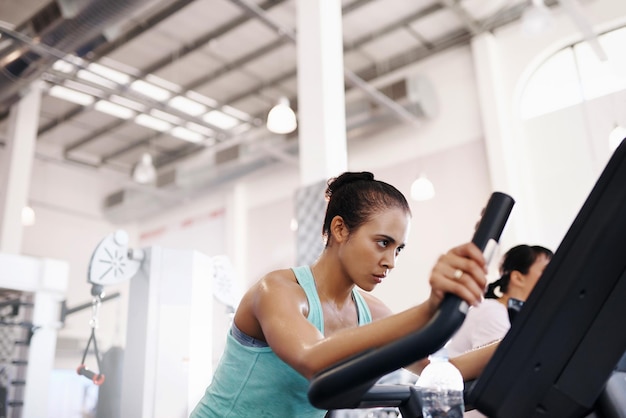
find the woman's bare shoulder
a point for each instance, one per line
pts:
(377, 307)
(277, 282)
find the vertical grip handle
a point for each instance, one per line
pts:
(494, 217)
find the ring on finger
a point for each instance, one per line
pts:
(457, 274)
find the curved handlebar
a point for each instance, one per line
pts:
(343, 385)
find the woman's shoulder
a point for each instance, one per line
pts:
(487, 309)
(281, 277)
(278, 281)
(377, 307)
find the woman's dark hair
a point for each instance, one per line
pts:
(519, 258)
(356, 197)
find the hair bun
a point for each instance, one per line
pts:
(336, 183)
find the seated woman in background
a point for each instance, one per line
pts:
(489, 322)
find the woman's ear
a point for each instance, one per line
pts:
(517, 279)
(338, 229)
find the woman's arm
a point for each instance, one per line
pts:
(277, 306)
(297, 342)
(472, 363)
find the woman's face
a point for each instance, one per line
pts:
(534, 272)
(371, 250)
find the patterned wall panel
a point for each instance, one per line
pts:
(310, 207)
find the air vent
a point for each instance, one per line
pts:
(114, 199)
(227, 154)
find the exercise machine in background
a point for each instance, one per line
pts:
(31, 292)
(168, 357)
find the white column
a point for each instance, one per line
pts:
(496, 109)
(237, 239)
(15, 168)
(321, 97)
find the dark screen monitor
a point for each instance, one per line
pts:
(571, 333)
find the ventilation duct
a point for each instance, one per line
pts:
(186, 182)
(229, 164)
(415, 93)
(65, 27)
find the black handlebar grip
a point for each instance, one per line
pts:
(493, 219)
(344, 384)
(490, 226)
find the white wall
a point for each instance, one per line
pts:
(69, 225)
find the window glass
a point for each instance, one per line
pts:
(553, 86)
(575, 74)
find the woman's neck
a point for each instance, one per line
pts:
(330, 282)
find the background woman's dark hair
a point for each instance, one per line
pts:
(519, 258)
(356, 196)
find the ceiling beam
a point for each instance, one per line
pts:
(143, 27)
(350, 77)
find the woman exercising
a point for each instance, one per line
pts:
(295, 322)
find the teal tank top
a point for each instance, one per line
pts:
(254, 382)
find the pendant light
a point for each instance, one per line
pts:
(422, 189)
(144, 171)
(28, 216)
(281, 119)
(536, 18)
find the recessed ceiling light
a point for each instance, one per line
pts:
(70, 95)
(186, 134)
(109, 73)
(95, 78)
(150, 90)
(152, 123)
(220, 119)
(114, 109)
(191, 107)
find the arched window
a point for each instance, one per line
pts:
(576, 74)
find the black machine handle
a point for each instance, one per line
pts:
(96, 378)
(343, 385)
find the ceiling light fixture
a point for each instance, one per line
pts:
(281, 119)
(422, 189)
(150, 90)
(188, 106)
(113, 109)
(536, 18)
(144, 171)
(186, 134)
(153, 123)
(70, 95)
(28, 216)
(109, 73)
(96, 79)
(220, 119)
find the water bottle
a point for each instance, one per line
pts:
(440, 388)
